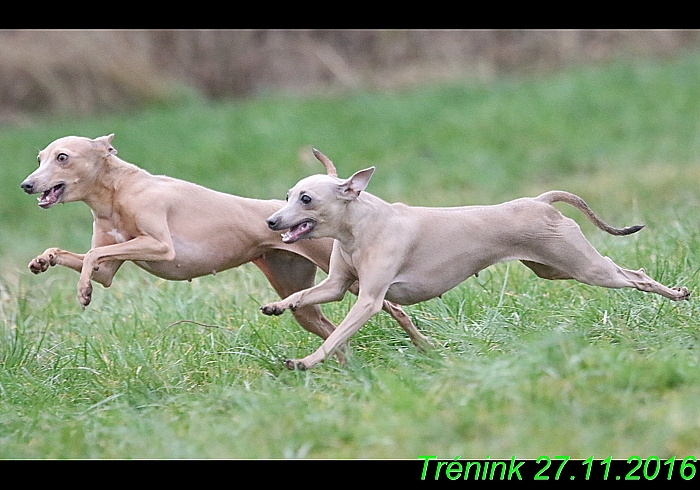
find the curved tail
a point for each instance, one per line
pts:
(330, 168)
(580, 204)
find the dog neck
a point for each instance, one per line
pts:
(107, 183)
(361, 216)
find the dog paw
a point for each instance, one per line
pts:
(39, 264)
(272, 309)
(42, 262)
(293, 364)
(683, 293)
(85, 294)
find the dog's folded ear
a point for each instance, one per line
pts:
(106, 142)
(352, 187)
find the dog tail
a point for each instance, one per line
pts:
(580, 204)
(330, 168)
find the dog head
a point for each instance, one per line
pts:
(67, 169)
(316, 204)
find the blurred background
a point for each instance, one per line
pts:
(45, 72)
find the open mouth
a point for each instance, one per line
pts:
(52, 196)
(298, 231)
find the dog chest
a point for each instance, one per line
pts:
(118, 237)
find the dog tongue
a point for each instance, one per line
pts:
(295, 232)
(49, 197)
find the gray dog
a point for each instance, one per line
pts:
(408, 254)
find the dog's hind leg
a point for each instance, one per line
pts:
(289, 273)
(570, 256)
(417, 338)
(545, 271)
(608, 274)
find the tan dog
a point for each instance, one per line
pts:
(171, 228)
(410, 254)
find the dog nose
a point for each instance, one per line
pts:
(272, 222)
(28, 187)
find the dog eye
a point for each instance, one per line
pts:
(62, 157)
(287, 197)
(38, 159)
(305, 199)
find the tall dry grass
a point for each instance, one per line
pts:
(84, 71)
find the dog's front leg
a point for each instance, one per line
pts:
(367, 305)
(330, 289)
(143, 247)
(55, 256)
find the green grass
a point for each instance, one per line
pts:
(523, 366)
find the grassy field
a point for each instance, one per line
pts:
(523, 367)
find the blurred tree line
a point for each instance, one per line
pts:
(86, 71)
